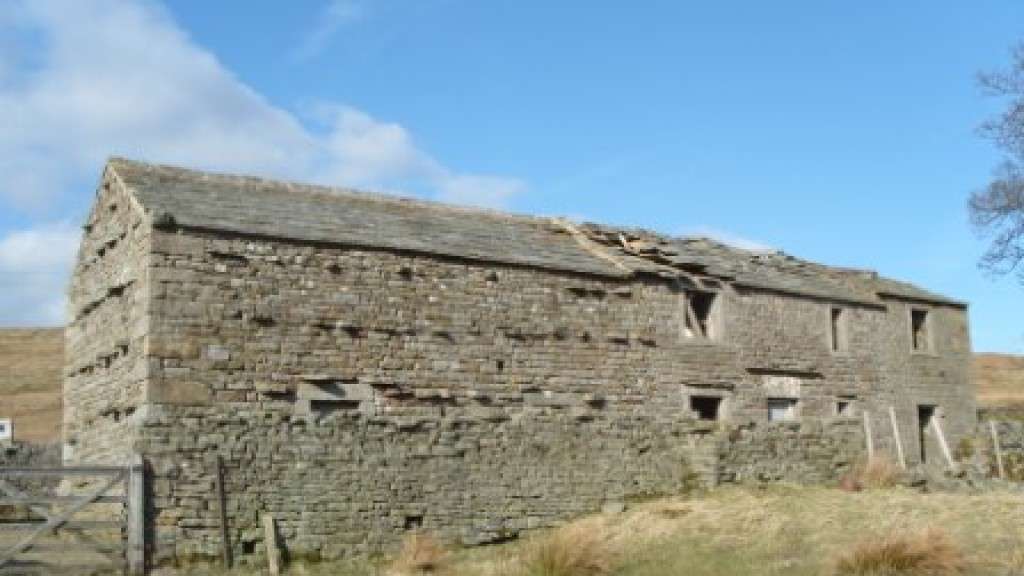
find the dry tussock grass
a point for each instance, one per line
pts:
(580, 549)
(420, 554)
(929, 552)
(873, 473)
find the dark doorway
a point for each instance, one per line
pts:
(706, 407)
(925, 414)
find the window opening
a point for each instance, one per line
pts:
(844, 406)
(700, 314)
(781, 409)
(706, 407)
(919, 330)
(838, 333)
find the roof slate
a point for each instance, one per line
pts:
(301, 212)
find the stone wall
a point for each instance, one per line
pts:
(356, 394)
(817, 452)
(105, 339)
(937, 377)
(978, 453)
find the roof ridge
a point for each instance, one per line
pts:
(333, 193)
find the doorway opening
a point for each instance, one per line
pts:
(925, 413)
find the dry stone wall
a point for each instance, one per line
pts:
(105, 369)
(815, 452)
(978, 452)
(356, 394)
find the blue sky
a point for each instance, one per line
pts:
(836, 131)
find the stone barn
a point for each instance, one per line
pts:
(364, 365)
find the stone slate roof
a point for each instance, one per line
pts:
(256, 206)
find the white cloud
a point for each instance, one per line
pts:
(117, 77)
(366, 153)
(338, 13)
(734, 240)
(34, 265)
(86, 79)
(479, 190)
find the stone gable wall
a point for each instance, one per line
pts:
(105, 367)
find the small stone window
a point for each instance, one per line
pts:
(837, 329)
(706, 407)
(844, 406)
(782, 409)
(920, 332)
(701, 320)
(413, 522)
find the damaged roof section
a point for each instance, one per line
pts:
(759, 269)
(300, 212)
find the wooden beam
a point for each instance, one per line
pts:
(136, 495)
(67, 526)
(51, 500)
(222, 506)
(998, 450)
(270, 539)
(70, 471)
(692, 317)
(75, 528)
(868, 439)
(901, 458)
(38, 569)
(942, 442)
(55, 522)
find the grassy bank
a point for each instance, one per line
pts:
(779, 530)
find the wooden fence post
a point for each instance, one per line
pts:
(222, 508)
(136, 499)
(896, 436)
(998, 450)
(867, 435)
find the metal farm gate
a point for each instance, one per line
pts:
(72, 520)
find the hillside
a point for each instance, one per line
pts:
(31, 360)
(1000, 380)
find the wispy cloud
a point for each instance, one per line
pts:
(120, 77)
(336, 15)
(364, 152)
(34, 265)
(729, 238)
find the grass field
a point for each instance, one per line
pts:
(738, 531)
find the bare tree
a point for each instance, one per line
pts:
(998, 209)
